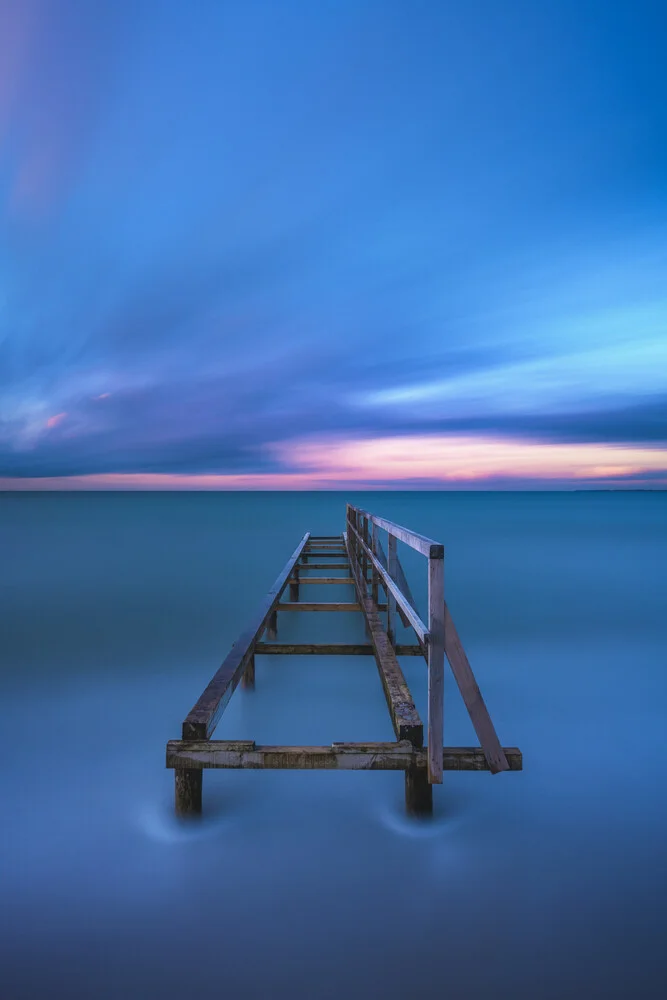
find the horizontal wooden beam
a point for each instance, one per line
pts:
(427, 546)
(325, 579)
(315, 565)
(202, 719)
(328, 649)
(320, 606)
(339, 756)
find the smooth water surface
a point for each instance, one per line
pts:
(550, 883)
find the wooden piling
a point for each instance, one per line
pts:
(248, 679)
(418, 792)
(188, 788)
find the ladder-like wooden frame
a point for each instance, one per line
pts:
(359, 550)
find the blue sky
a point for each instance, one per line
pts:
(234, 235)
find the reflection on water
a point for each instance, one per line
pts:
(117, 609)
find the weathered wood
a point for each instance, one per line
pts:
(326, 579)
(204, 754)
(248, 679)
(385, 564)
(376, 576)
(324, 566)
(322, 555)
(294, 584)
(427, 546)
(188, 788)
(436, 666)
(415, 621)
(467, 685)
(391, 599)
(202, 719)
(272, 626)
(404, 716)
(418, 792)
(323, 606)
(329, 648)
(472, 696)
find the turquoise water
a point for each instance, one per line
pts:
(118, 608)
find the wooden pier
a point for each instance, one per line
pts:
(369, 569)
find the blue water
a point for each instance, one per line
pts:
(117, 609)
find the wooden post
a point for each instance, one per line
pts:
(418, 792)
(272, 628)
(391, 600)
(248, 679)
(294, 586)
(376, 576)
(188, 786)
(436, 665)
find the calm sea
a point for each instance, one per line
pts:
(551, 883)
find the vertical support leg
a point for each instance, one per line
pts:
(436, 665)
(418, 792)
(272, 628)
(391, 600)
(188, 786)
(294, 586)
(376, 575)
(305, 558)
(248, 679)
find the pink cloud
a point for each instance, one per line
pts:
(56, 419)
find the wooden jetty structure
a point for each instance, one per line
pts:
(367, 567)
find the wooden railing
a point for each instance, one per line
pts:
(437, 637)
(363, 538)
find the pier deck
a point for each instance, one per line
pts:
(359, 552)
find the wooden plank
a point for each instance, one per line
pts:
(322, 555)
(202, 719)
(472, 696)
(404, 716)
(415, 621)
(344, 565)
(436, 667)
(328, 649)
(323, 606)
(202, 754)
(325, 579)
(427, 546)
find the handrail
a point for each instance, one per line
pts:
(431, 635)
(410, 613)
(427, 546)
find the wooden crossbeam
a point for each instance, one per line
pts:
(325, 579)
(321, 606)
(399, 756)
(315, 565)
(328, 648)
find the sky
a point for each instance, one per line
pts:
(415, 244)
